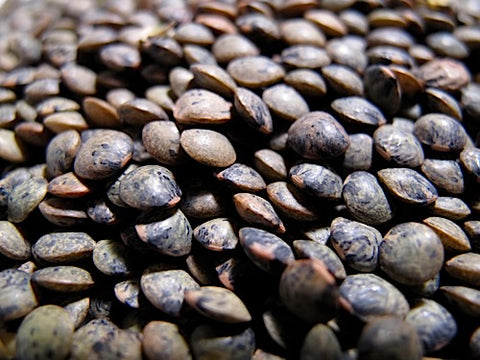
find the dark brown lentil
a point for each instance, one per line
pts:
(143, 143)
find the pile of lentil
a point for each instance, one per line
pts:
(252, 179)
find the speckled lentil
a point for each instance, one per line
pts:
(239, 179)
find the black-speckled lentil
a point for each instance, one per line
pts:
(221, 95)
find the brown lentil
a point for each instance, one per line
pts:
(96, 96)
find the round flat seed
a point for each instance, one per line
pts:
(309, 291)
(285, 102)
(63, 212)
(307, 249)
(12, 148)
(317, 233)
(96, 38)
(26, 111)
(236, 272)
(231, 46)
(101, 339)
(118, 96)
(25, 197)
(46, 332)
(318, 135)
(450, 208)
(164, 50)
(451, 235)
(398, 146)
(411, 253)
(208, 342)
(371, 296)
(150, 186)
(208, 147)
(8, 115)
(242, 177)
(193, 33)
(17, 297)
(66, 120)
(63, 278)
(257, 211)
(219, 304)
(470, 159)
(359, 155)
(446, 44)
(103, 155)
(434, 325)
(203, 203)
(41, 89)
(301, 31)
(290, 201)
(441, 133)
(465, 299)
(382, 88)
(100, 113)
(170, 235)
(348, 51)
(446, 175)
(63, 247)
(327, 21)
(140, 111)
(259, 25)
(79, 79)
(33, 133)
(410, 85)
(386, 18)
(61, 152)
(465, 267)
(475, 344)
(255, 71)
(357, 244)
(306, 82)
(393, 55)
(446, 74)
(305, 56)
(12, 243)
(163, 340)
(343, 80)
(317, 180)
(408, 186)
(195, 54)
(365, 199)
(320, 342)
(120, 56)
(78, 310)
(162, 140)
(161, 95)
(253, 110)
(214, 78)
(358, 110)
(472, 228)
(389, 35)
(68, 185)
(166, 289)
(402, 341)
(7, 96)
(270, 164)
(469, 99)
(265, 250)
(10, 180)
(216, 235)
(439, 101)
(112, 258)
